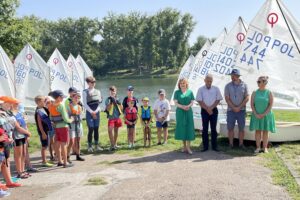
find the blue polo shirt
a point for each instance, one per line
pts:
(236, 93)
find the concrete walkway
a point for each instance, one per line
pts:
(167, 175)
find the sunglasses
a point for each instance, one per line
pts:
(260, 81)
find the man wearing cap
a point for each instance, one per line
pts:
(236, 95)
(92, 98)
(130, 90)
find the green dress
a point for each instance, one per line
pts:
(184, 119)
(261, 102)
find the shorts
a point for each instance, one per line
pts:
(130, 126)
(73, 133)
(51, 133)
(20, 142)
(62, 134)
(115, 123)
(239, 117)
(161, 125)
(2, 156)
(44, 143)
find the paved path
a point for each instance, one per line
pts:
(168, 175)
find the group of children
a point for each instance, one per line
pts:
(129, 108)
(59, 125)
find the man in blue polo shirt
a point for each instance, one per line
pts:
(236, 95)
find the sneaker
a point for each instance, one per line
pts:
(116, 147)
(31, 169)
(67, 165)
(165, 143)
(15, 179)
(47, 164)
(98, 148)
(60, 164)
(112, 148)
(69, 160)
(159, 143)
(242, 146)
(266, 150)
(12, 185)
(78, 158)
(3, 187)
(4, 193)
(90, 150)
(257, 150)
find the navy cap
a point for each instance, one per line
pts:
(161, 91)
(57, 93)
(73, 89)
(235, 72)
(130, 88)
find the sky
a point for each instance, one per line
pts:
(211, 16)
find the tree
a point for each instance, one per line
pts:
(198, 45)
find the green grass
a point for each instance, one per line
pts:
(291, 152)
(97, 181)
(287, 116)
(281, 175)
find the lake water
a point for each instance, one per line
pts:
(142, 87)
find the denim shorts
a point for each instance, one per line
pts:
(161, 125)
(239, 117)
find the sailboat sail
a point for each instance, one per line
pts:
(31, 76)
(271, 48)
(76, 73)
(59, 72)
(223, 61)
(7, 75)
(83, 64)
(202, 65)
(184, 73)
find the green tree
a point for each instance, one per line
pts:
(198, 45)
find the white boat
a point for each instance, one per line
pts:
(271, 48)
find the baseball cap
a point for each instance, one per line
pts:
(130, 99)
(235, 72)
(145, 99)
(72, 89)
(57, 93)
(161, 91)
(7, 99)
(130, 88)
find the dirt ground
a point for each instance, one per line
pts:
(166, 175)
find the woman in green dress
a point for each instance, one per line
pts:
(184, 99)
(262, 119)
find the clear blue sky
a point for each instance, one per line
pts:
(211, 15)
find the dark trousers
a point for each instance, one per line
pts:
(212, 120)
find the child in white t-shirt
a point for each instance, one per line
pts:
(162, 108)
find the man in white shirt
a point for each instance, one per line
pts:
(209, 97)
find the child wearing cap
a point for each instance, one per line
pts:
(130, 90)
(114, 110)
(146, 119)
(130, 117)
(162, 108)
(44, 127)
(76, 130)
(60, 118)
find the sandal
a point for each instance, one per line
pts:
(22, 176)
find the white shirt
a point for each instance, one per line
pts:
(162, 106)
(209, 96)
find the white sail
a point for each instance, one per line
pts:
(32, 76)
(82, 63)
(200, 69)
(223, 61)
(184, 73)
(76, 73)
(59, 72)
(271, 48)
(7, 75)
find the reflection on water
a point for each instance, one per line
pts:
(142, 87)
